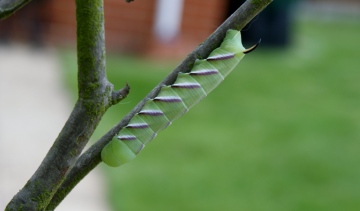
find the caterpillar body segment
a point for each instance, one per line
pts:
(188, 89)
(206, 75)
(117, 153)
(175, 100)
(170, 103)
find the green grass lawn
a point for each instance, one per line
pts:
(282, 132)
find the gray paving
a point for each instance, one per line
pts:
(33, 108)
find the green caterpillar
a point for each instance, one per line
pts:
(175, 100)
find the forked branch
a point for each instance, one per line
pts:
(96, 95)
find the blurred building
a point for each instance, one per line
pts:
(150, 27)
(155, 27)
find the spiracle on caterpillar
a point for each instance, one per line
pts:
(175, 100)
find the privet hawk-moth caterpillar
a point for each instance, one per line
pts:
(175, 100)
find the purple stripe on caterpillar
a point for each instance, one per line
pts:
(137, 125)
(204, 72)
(186, 85)
(126, 137)
(151, 112)
(221, 57)
(168, 99)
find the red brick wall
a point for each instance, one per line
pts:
(201, 18)
(127, 25)
(61, 22)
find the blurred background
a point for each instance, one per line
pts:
(282, 132)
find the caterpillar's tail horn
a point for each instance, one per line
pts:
(252, 48)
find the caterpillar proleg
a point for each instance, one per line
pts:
(175, 100)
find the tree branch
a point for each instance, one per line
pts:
(96, 95)
(8, 7)
(91, 158)
(119, 95)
